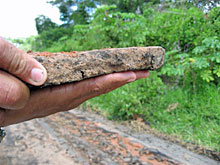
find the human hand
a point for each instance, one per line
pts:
(18, 104)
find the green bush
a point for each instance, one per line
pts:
(203, 63)
(129, 100)
(192, 116)
(183, 97)
(48, 39)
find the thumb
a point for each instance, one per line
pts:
(18, 63)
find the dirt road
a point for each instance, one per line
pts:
(80, 137)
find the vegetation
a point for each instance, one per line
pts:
(183, 98)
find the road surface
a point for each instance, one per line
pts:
(82, 137)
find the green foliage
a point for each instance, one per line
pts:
(179, 31)
(174, 111)
(75, 11)
(191, 56)
(44, 23)
(25, 44)
(113, 29)
(129, 100)
(131, 6)
(204, 4)
(122, 29)
(189, 79)
(195, 118)
(203, 61)
(47, 38)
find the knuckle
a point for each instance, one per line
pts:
(100, 88)
(113, 80)
(13, 96)
(105, 85)
(17, 65)
(12, 59)
(97, 87)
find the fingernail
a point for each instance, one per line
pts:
(37, 75)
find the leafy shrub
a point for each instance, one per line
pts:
(192, 42)
(125, 102)
(203, 63)
(47, 39)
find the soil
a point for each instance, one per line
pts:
(84, 137)
(143, 127)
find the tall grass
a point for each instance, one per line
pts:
(192, 115)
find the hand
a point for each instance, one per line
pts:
(18, 104)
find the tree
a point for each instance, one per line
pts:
(44, 23)
(80, 11)
(131, 6)
(75, 11)
(205, 4)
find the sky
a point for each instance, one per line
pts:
(17, 17)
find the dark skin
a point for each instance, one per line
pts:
(19, 104)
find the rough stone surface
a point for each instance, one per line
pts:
(67, 67)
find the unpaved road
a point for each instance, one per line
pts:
(79, 137)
